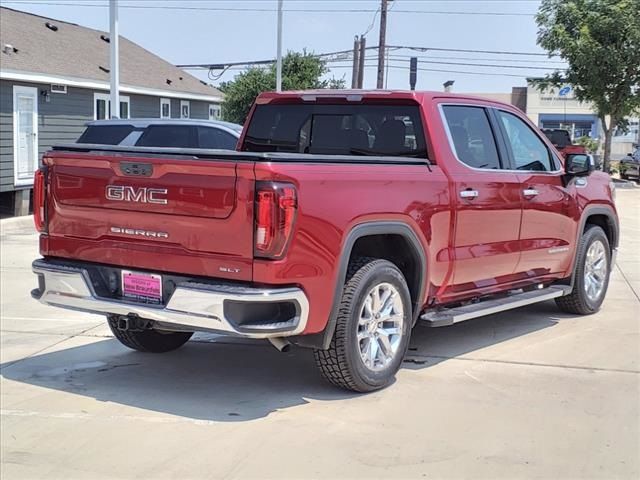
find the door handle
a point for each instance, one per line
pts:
(469, 194)
(530, 192)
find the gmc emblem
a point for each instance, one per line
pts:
(123, 193)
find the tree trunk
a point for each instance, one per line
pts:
(608, 135)
(606, 163)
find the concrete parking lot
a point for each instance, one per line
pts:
(531, 393)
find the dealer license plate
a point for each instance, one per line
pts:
(145, 287)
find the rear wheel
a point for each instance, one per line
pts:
(593, 267)
(148, 340)
(372, 330)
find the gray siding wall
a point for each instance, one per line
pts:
(199, 110)
(144, 106)
(6, 136)
(62, 119)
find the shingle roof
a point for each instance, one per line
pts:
(79, 52)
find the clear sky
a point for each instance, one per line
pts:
(218, 31)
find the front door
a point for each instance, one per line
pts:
(548, 232)
(25, 134)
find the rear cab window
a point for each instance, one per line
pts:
(341, 129)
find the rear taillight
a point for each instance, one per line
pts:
(39, 199)
(276, 207)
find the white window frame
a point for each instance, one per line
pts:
(216, 108)
(17, 89)
(185, 103)
(163, 102)
(107, 98)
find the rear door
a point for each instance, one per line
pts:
(548, 231)
(488, 202)
(172, 213)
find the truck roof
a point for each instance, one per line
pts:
(358, 95)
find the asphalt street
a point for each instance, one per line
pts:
(531, 393)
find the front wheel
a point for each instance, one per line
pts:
(372, 329)
(593, 267)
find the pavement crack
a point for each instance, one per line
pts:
(12, 363)
(627, 281)
(113, 367)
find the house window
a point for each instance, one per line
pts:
(214, 111)
(165, 108)
(185, 109)
(102, 106)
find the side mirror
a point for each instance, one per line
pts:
(579, 165)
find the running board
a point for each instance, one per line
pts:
(448, 316)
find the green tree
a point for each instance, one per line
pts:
(600, 41)
(589, 143)
(300, 71)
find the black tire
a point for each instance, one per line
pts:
(342, 364)
(578, 302)
(148, 340)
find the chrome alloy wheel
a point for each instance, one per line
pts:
(380, 326)
(596, 269)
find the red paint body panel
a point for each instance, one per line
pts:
(500, 240)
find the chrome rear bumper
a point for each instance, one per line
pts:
(191, 307)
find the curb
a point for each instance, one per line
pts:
(624, 184)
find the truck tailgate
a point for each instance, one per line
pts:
(152, 212)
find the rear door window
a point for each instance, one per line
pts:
(473, 140)
(176, 136)
(105, 134)
(337, 130)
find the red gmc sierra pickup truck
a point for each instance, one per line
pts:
(342, 220)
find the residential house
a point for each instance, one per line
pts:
(54, 77)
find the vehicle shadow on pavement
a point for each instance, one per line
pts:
(218, 379)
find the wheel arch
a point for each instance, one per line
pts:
(360, 241)
(604, 217)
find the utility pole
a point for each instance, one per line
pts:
(363, 51)
(279, 54)
(413, 72)
(356, 62)
(114, 60)
(381, 43)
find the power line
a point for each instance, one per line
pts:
(476, 59)
(314, 1)
(266, 10)
(347, 53)
(526, 67)
(465, 50)
(491, 74)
